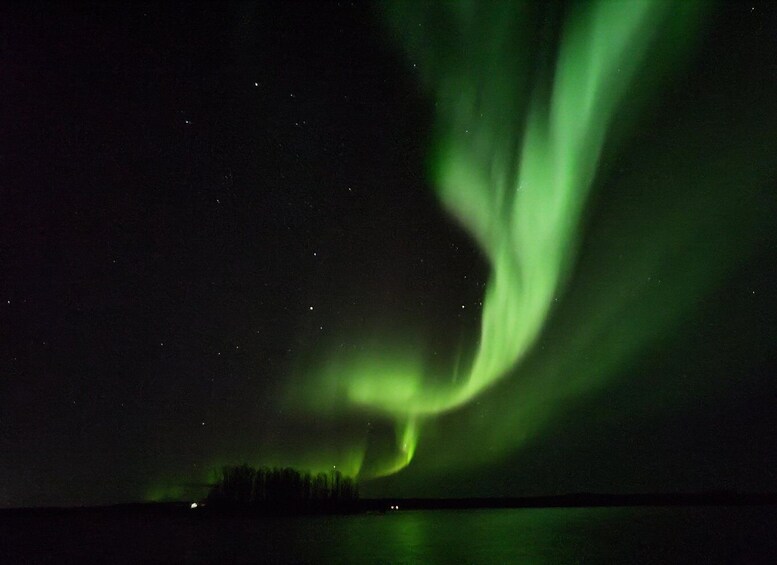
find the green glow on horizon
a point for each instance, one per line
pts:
(515, 167)
(164, 493)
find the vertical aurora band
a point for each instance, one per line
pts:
(522, 198)
(520, 128)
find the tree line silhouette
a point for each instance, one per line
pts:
(273, 488)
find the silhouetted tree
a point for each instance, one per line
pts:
(236, 484)
(321, 487)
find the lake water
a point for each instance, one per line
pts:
(554, 535)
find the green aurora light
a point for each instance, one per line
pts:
(515, 167)
(522, 127)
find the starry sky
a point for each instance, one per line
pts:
(198, 202)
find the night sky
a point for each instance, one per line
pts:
(201, 204)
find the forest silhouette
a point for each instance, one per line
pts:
(284, 489)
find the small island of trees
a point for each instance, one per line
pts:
(285, 489)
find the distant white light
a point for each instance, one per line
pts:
(194, 505)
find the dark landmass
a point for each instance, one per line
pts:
(576, 500)
(247, 490)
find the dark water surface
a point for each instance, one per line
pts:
(552, 535)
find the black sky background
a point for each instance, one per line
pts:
(180, 184)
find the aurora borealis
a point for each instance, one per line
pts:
(516, 173)
(514, 163)
(457, 249)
